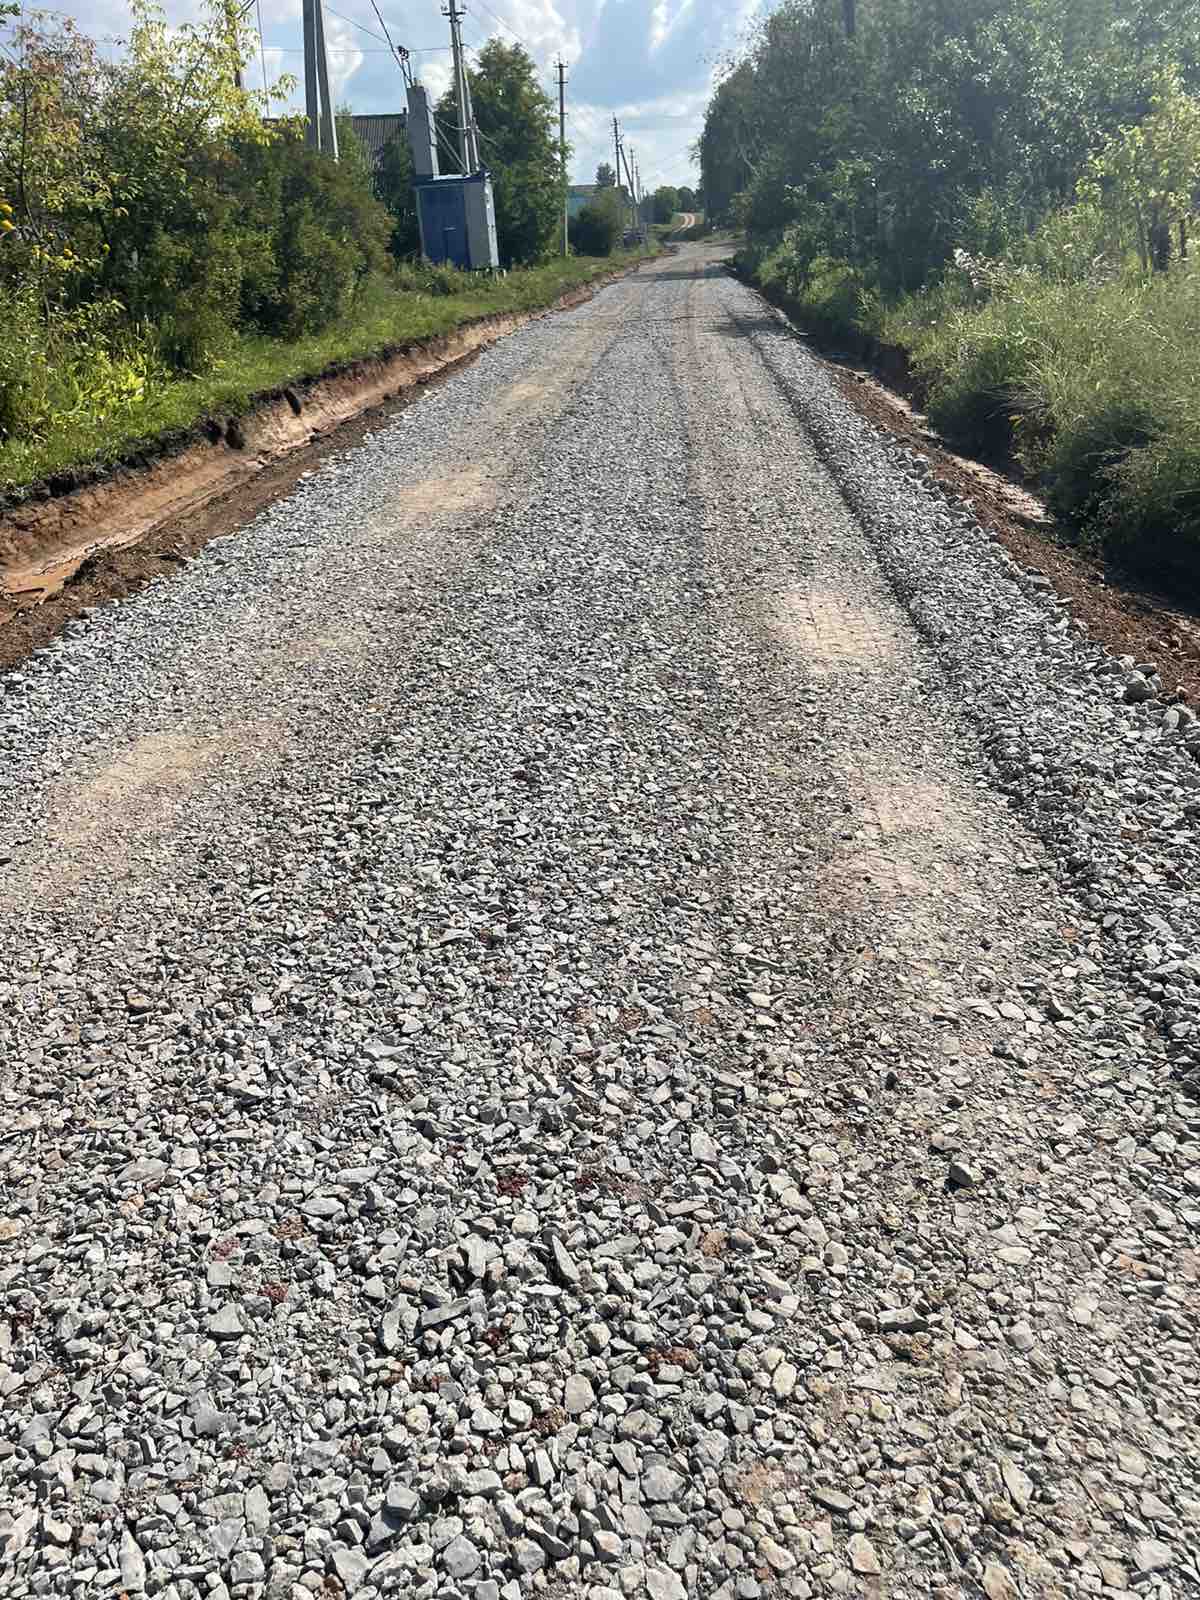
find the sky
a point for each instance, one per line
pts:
(650, 63)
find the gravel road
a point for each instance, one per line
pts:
(600, 1003)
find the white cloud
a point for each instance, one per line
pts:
(649, 62)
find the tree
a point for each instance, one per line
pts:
(352, 152)
(393, 185)
(518, 128)
(1146, 176)
(730, 141)
(606, 178)
(150, 201)
(597, 228)
(687, 199)
(934, 127)
(666, 203)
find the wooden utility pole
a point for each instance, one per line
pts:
(617, 168)
(562, 151)
(849, 17)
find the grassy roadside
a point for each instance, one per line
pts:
(384, 317)
(1089, 387)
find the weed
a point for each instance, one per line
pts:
(139, 402)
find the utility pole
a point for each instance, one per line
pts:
(849, 18)
(320, 132)
(312, 112)
(468, 144)
(562, 148)
(621, 156)
(617, 148)
(328, 126)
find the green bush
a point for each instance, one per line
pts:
(594, 232)
(54, 370)
(316, 233)
(423, 277)
(838, 300)
(826, 295)
(24, 363)
(1092, 382)
(974, 369)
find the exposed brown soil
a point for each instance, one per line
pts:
(1120, 611)
(62, 554)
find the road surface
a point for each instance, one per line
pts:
(598, 1004)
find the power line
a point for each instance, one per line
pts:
(262, 56)
(350, 50)
(524, 43)
(361, 26)
(356, 50)
(666, 160)
(512, 32)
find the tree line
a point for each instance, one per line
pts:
(1004, 192)
(150, 209)
(891, 133)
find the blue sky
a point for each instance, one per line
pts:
(649, 62)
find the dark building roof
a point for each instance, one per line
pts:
(379, 129)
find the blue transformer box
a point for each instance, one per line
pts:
(458, 222)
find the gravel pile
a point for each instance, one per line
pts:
(539, 1059)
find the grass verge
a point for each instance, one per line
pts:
(1091, 387)
(384, 318)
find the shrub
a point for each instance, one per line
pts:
(24, 363)
(316, 234)
(86, 363)
(423, 277)
(595, 230)
(830, 297)
(189, 341)
(838, 299)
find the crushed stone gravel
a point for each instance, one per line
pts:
(609, 1014)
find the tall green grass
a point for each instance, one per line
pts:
(1094, 386)
(1089, 378)
(80, 431)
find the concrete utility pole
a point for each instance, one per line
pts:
(312, 109)
(467, 141)
(621, 156)
(320, 131)
(562, 149)
(328, 126)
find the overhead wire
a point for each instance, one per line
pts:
(361, 26)
(262, 56)
(524, 43)
(666, 160)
